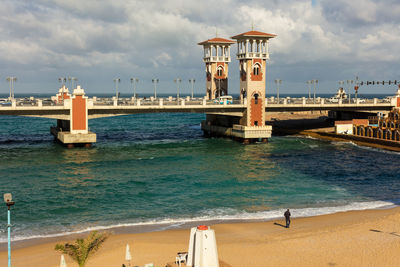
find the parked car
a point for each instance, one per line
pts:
(222, 99)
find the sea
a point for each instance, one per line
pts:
(158, 171)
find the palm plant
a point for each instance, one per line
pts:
(82, 249)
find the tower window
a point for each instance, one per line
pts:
(256, 99)
(256, 69)
(219, 71)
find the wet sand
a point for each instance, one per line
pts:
(355, 238)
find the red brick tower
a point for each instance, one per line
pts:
(252, 55)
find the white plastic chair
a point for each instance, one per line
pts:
(181, 257)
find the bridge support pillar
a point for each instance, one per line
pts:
(75, 131)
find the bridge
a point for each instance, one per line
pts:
(64, 109)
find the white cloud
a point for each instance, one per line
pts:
(104, 39)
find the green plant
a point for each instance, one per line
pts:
(82, 249)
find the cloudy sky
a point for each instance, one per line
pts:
(97, 41)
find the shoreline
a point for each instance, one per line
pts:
(187, 223)
(338, 238)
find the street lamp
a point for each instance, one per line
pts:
(178, 81)
(11, 80)
(309, 89)
(155, 81)
(62, 80)
(314, 82)
(349, 82)
(278, 82)
(134, 81)
(9, 203)
(192, 81)
(357, 82)
(72, 80)
(117, 81)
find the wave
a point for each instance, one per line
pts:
(219, 216)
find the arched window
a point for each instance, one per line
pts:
(256, 69)
(256, 99)
(219, 71)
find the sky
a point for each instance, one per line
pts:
(98, 41)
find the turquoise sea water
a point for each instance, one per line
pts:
(158, 170)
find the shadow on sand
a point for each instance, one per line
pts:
(284, 226)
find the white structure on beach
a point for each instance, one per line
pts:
(202, 248)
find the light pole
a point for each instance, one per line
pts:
(178, 81)
(11, 80)
(62, 80)
(72, 80)
(192, 81)
(314, 82)
(309, 89)
(278, 82)
(358, 86)
(349, 83)
(155, 81)
(117, 81)
(134, 81)
(9, 203)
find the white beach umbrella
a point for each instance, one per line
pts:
(62, 262)
(128, 256)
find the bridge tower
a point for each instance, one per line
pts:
(247, 126)
(252, 53)
(216, 57)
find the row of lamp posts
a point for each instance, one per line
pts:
(155, 81)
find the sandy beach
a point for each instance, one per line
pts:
(354, 238)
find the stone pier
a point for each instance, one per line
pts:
(225, 125)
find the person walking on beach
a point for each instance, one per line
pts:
(287, 217)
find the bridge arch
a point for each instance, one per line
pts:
(397, 135)
(388, 134)
(380, 133)
(362, 130)
(370, 132)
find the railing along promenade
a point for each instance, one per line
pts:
(104, 107)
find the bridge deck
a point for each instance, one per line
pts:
(97, 109)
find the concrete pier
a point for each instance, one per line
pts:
(222, 125)
(73, 140)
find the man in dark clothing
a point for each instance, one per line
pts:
(287, 217)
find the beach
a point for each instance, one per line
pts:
(353, 238)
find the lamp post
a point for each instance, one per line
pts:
(309, 89)
(72, 80)
(11, 80)
(155, 81)
(134, 81)
(9, 203)
(62, 80)
(178, 81)
(314, 82)
(278, 82)
(117, 81)
(349, 83)
(192, 81)
(357, 82)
